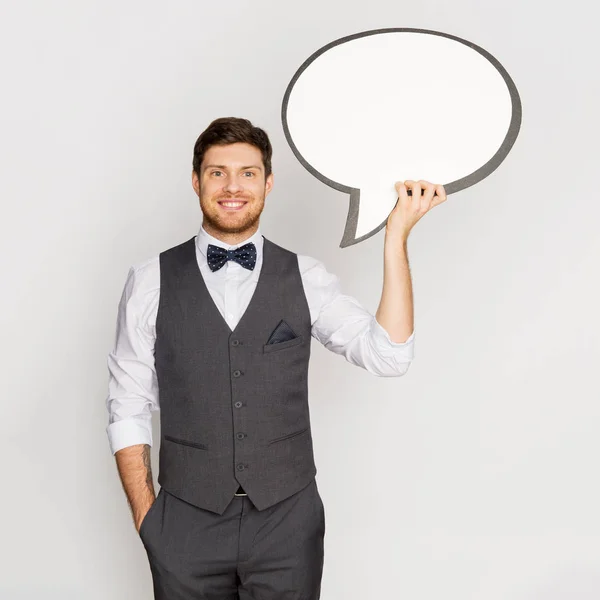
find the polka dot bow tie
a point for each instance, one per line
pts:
(244, 255)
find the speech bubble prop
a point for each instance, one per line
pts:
(388, 105)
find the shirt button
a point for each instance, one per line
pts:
(240, 467)
(238, 404)
(237, 373)
(235, 343)
(240, 436)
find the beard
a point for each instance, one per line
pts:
(232, 222)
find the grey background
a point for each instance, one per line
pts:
(483, 459)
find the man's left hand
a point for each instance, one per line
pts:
(409, 209)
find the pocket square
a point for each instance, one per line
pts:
(281, 333)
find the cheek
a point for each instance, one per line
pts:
(210, 191)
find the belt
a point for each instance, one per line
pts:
(240, 492)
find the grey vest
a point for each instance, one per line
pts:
(233, 409)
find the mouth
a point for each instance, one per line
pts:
(232, 205)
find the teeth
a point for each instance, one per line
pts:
(232, 204)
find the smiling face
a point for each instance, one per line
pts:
(232, 188)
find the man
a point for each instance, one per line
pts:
(219, 328)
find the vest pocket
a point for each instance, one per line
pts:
(281, 345)
(185, 442)
(288, 436)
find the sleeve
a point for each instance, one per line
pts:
(345, 327)
(132, 384)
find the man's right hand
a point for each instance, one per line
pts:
(138, 522)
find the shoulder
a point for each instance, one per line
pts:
(310, 264)
(143, 279)
(314, 272)
(177, 252)
(146, 273)
(305, 262)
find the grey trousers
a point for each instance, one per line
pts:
(243, 554)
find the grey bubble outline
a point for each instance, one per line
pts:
(349, 237)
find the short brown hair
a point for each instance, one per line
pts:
(230, 130)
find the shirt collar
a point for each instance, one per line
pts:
(203, 239)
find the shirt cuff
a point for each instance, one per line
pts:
(384, 344)
(128, 432)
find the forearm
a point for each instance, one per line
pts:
(133, 463)
(396, 312)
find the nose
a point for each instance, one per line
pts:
(232, 185)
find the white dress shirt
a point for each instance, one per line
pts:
(338, 321)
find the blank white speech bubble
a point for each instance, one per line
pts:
(388, 105)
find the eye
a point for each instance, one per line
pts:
(249, 173)
(213, 172)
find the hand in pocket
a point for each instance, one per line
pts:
(140, 523)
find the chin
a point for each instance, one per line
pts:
(232, 226)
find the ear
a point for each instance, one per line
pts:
(195, 183)
(268, 184)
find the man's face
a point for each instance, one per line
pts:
(233, 173)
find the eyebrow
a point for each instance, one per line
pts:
(225, 167)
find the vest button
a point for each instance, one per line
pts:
(238, 404)
(240, 436)
(235, 343)
(237, 373)
(240, 467)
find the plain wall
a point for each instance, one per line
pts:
(483, 459)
